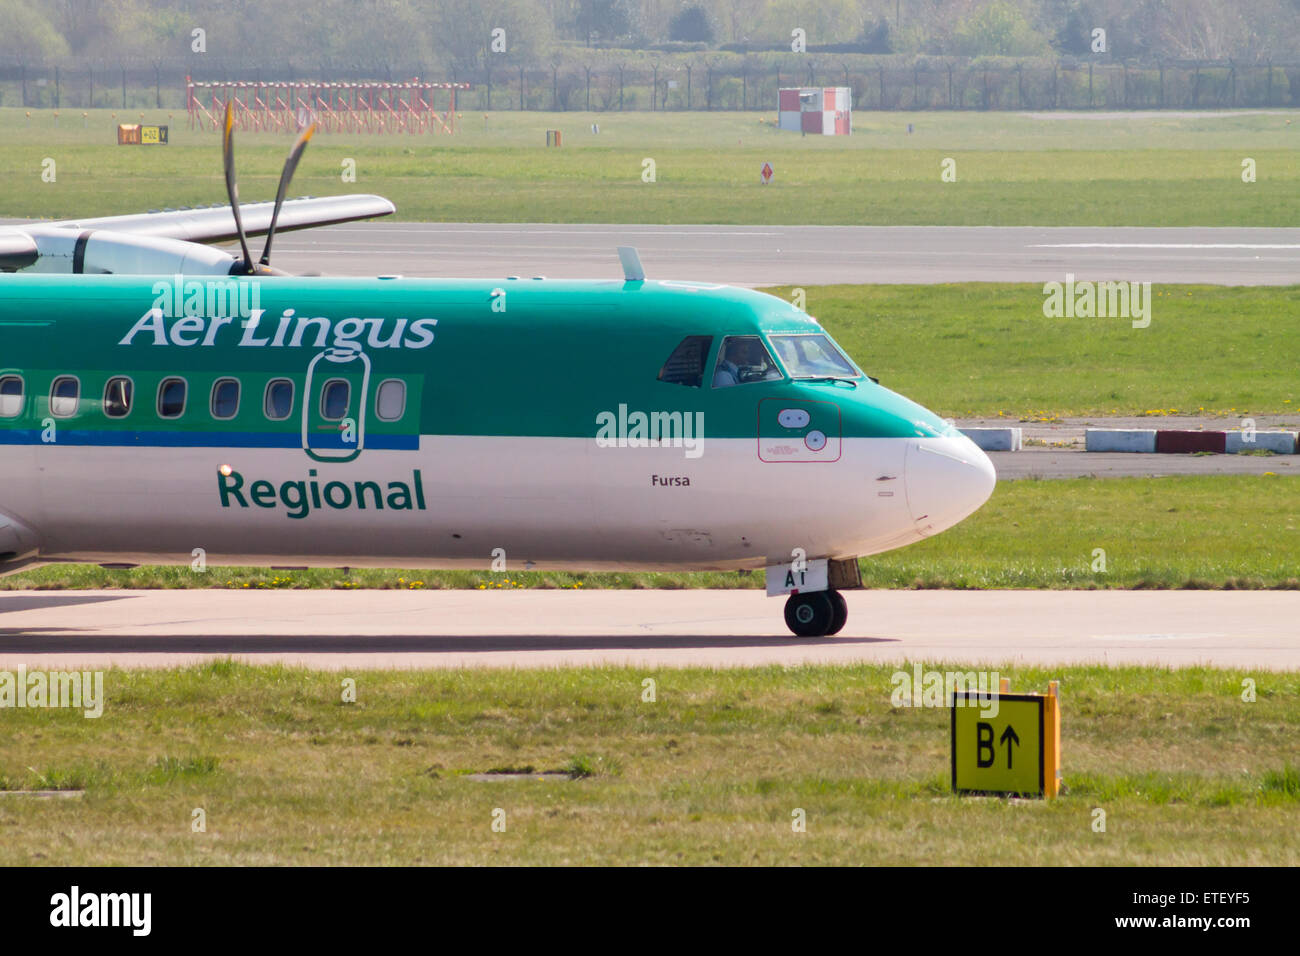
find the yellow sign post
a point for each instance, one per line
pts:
(1007, 743)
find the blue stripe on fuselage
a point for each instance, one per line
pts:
(126, 439)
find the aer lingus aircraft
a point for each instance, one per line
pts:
(158, 396)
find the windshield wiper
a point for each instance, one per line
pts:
(830, 378)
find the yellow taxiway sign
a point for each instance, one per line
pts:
(1006, 743)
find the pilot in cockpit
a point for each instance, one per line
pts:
(743, 359)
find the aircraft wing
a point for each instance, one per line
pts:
(217, 224)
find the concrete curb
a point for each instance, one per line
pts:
(1185, 442)
(995, 439)
(1138, 440)
(1171, 442)
(1279, 443)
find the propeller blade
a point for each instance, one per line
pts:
(232, 188)
(290, 165)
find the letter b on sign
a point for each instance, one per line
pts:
(984, 744)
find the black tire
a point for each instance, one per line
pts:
(810, 615)
(841, 608)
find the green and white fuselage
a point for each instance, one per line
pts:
(442, 423)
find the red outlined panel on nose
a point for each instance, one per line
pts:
(798, 430)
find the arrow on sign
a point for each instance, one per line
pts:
(1009, 737)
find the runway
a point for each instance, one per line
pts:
(351, 630)
(1057, 463)
(800, 255)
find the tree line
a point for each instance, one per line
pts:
(471, 35)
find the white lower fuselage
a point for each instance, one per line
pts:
(544, 502)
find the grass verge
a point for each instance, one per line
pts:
(985, 349)
(1012, 169)
(710, 772)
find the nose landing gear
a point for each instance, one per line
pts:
(816, 613)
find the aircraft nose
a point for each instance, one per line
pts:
(947, 479)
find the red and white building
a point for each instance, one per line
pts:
(824, 110)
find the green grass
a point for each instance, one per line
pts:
(1011, 169)
(1239, 531)
(985, 350)
(1225, 531)
(711, 772)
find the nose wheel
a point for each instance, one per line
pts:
(816, 613)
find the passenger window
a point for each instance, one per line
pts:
(334, 400)
(171, 398)
(278, 403)
(11, 396)
(64, 395)
(743, 359)
(117, 396)
(686, 365)
(390, 401)
(225, 398)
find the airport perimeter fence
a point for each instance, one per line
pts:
(951, 86)
(677, 84)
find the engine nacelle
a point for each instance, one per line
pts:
(101, 251)
(17, 250)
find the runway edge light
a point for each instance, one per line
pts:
(1006, 744)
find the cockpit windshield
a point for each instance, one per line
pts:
(812, 356)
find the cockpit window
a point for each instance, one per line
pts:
(812, 356)
(744, 359)
(686, 365)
